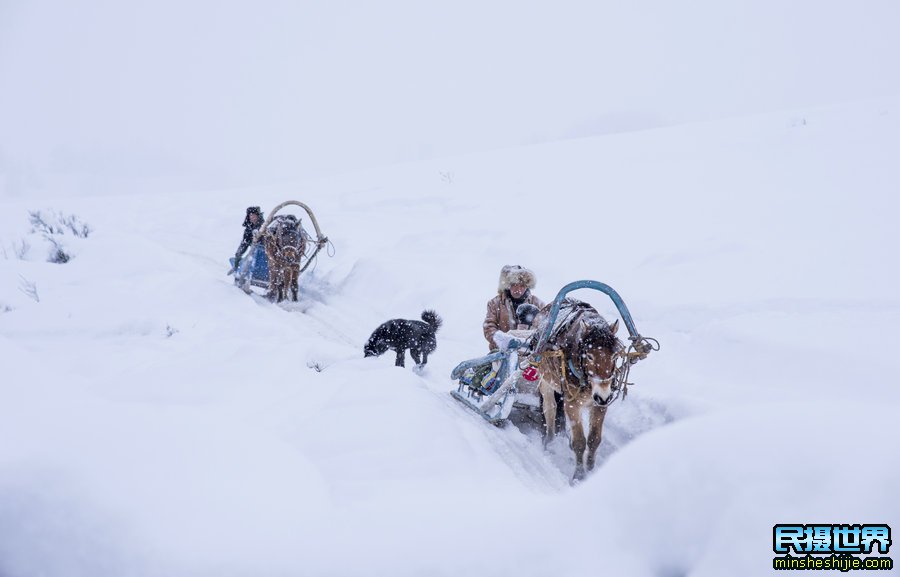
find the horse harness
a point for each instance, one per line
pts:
(280, 249)
(619, 378)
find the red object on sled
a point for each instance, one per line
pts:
(530, 374)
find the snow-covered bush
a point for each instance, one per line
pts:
(53, 225)
(17, 249)
(29, 288)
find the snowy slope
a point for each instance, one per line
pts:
(156, 421)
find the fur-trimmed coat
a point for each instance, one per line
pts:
(501, 315)
(501, 310)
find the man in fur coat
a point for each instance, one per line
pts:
(513, 290)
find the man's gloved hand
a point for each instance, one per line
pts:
(505, 341)
(237, 261)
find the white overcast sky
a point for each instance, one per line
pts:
(250, 92)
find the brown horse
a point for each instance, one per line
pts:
(579, 362)
(285, 245)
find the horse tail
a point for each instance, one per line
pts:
(432, 319)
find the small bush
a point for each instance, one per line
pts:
(29, 288)
(19, 250)
(57, 254)
(56, 224)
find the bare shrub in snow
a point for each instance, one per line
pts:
(42, 225)
(18, 249)
(57, 254)
(75, 225)
(29, 288)
(56, 224)
(21, 249)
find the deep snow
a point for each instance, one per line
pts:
(157, 421)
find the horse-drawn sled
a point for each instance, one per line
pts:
(281, 250)
(571, 353)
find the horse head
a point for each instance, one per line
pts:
(596, 354)
(288, 239)
(291, 242)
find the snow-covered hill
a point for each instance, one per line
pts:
(154, 420)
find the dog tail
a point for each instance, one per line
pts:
(432, 319)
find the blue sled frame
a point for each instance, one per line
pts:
(497, 405)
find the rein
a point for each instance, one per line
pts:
(619, 377)
(280, 249)
(622, 359)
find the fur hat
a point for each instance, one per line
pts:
(253, 210)
(514, 274)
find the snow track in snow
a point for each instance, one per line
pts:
(522, 453)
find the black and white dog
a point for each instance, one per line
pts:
(401, 334)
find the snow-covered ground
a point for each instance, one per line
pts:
(156, 421)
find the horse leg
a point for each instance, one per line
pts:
(282, 289)
(273, 281)
(273, 268)
(576, 429)
(295, 288)
(415, 356)
(401, 358)
(548, 405)
(596, 422)
(560, 411)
